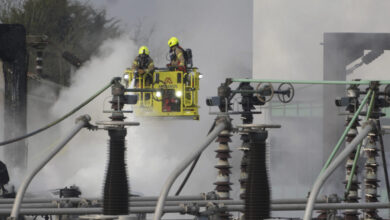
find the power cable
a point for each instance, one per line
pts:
(191, 168)
(58, 120)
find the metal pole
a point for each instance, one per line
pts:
(142, 90)
(183, 209)
(84, 211)
(328, 206)
(331, 206)
(80, 123)
(323, 82)
(225, 202)
(151, 199)
(133, 198)
(221, 125)
(338, 160)
(141, 203)
(31, 205)
(45, 200)
(170, 198)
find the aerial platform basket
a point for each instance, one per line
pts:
(166, 93)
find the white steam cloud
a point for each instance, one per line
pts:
(219, 34)
(83, 161)
(153, 149)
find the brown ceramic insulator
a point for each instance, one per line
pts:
(352, 194)
(223, 155)
(222, 185)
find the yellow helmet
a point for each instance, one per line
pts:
(143, 50)
(173, 41)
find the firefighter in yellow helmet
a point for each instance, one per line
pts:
(143, 66)
(176, 54)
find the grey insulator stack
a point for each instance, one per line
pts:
(116, 190)
(116, 187)
(352, 195)
(247, 102)
(223, 179)
(244, 161)
(258, 195)
(371, 180)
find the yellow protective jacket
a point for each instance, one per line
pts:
(177, 57)
(143, 64)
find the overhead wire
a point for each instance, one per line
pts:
(191, 168)
(58, 120)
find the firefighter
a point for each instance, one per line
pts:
(176, 54)
(143, 66)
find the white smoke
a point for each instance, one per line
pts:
(155, 147)
(83, 160)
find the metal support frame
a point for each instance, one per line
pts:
(80, 123)
(367, 127)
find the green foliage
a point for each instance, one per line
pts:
(69, 25)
